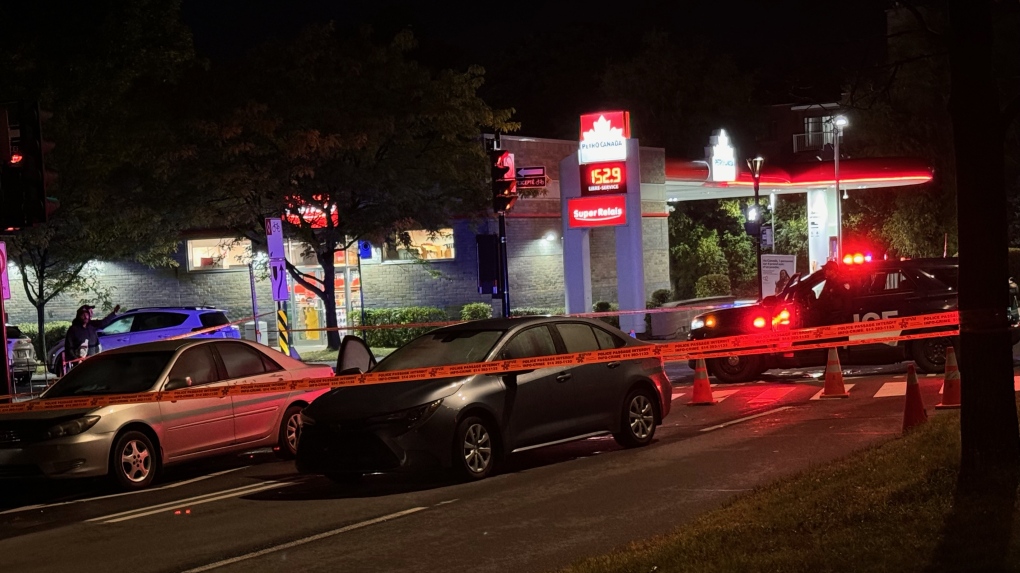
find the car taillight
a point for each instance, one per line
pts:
(759, 322)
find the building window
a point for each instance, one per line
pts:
(218, 254)
(424, 245)
(303, 255)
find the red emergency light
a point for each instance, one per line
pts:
(856, 259)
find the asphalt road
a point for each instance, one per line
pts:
(548, 508)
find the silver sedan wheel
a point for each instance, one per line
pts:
(477, 449)
(641, 416)
(293, 431)
(136, 461)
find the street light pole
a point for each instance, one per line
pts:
(839, 122)
(755, 166)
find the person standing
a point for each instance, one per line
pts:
(82, 338)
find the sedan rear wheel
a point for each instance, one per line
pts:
(638, 423)
(290, 433)
(474, 450)
(134, 462)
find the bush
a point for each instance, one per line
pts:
(712, 285)
(660, 297)
(536, 311)
(55, 332)
(476, 311)
(603, 306)
(394, 337)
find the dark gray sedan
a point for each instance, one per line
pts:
(471, 423)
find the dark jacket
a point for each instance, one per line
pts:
(80, 335)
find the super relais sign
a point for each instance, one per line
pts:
(603, 211)
(604, 137)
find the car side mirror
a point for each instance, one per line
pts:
(769, 301)
(349, 371)
(178, 383)
(100, 333)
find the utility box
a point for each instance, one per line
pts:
(263, 332)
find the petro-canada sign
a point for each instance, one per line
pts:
(604, 137)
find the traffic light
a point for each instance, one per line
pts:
(504, 182)
(23, 177)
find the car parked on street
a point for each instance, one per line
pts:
(470, 423)
(21, 357)
(132, 443)
(153, 323)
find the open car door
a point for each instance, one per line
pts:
(354, 353)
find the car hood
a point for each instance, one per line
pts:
(360, 402)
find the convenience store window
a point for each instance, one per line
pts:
(218, 254)
(424, 245)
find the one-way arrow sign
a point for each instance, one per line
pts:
(529, 172)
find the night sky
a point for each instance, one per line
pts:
(544, 58)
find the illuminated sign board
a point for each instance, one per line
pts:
(604, 137)
(601, 178)
(603, 211)
(722, 160)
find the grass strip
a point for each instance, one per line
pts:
(892, 507)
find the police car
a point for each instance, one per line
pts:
(841, 293)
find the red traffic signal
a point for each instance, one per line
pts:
(23, 177)
(504, 182)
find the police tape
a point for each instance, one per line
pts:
(816, 337)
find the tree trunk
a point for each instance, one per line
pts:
(988, 419)
(329, 299)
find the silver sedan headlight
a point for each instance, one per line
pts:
(71, 427)
(697, 323)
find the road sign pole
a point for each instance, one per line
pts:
(254, 302)
(504, 273)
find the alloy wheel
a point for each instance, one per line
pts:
(136, 461)
(293, 431)
(641, 416)
(477, 448)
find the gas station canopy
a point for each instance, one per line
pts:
(689, 180)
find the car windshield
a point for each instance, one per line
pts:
(441, 349)
(121, 373)
(813, 282)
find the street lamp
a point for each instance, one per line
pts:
(753, 213)
(839, 122)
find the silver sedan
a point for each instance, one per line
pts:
(133, 443)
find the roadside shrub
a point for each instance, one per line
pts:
(660, 297)
(55, 332)
(712, 285)
(535, 311)
(476, 311)
(394, 337)
(603, 306)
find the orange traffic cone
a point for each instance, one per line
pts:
(951, 386)
(834, 378)
(702, 390)
(913, 408)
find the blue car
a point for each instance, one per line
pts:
(151, 324)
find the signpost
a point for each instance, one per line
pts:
(278, 275)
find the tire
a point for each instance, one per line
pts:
(289, 434)
(637, 421)
(733, 369)
(474, 449)
(930, 354)
(57, 366)
(134, 461)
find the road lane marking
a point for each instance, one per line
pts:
(721, 395)
(191, 501)
(818, 396)
(892, 389)
(306, 540)
(770, 396)
(122, 494)
(676, 395)
(744, 419)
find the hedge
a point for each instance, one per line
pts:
(712, 285)
(660, 297)
(395, 337)
(55, 332)
(476, 311)
(536, 311)
(603, 306)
